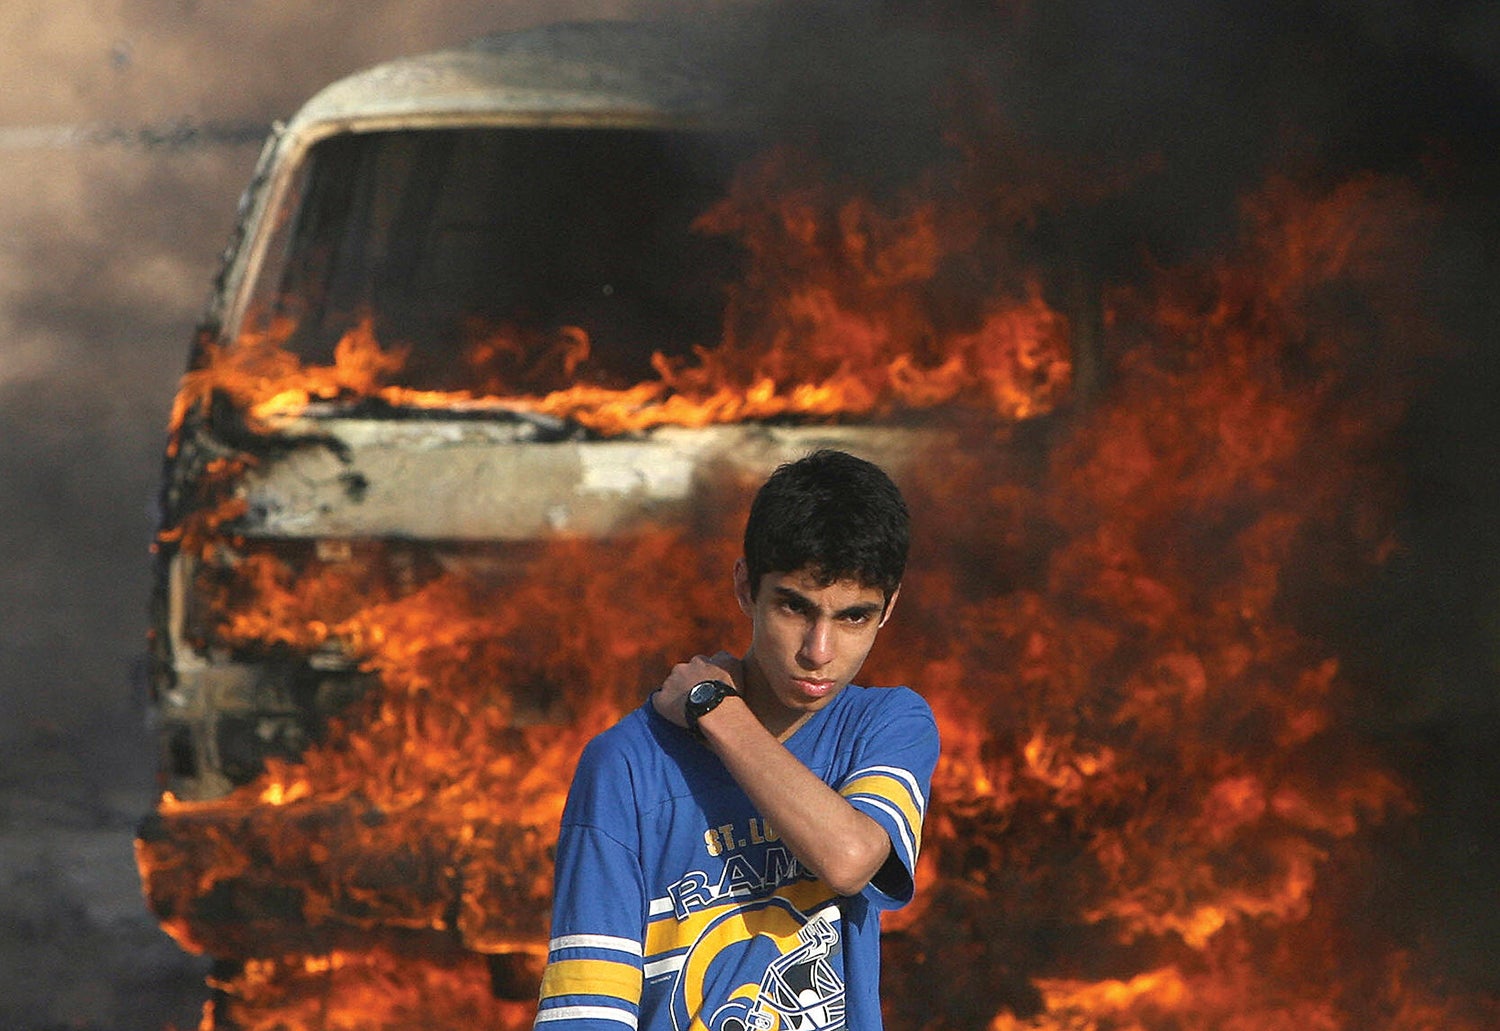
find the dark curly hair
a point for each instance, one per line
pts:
(838, 516)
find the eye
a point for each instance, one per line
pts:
(792, 606)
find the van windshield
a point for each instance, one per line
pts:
(502, 259)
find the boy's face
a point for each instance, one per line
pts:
(807, 641)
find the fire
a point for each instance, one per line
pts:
(372, 989)
(432, 805)
(854, 331)
(1087, 1003)
(1014, 361)
(1146, 816)
(1165, 783)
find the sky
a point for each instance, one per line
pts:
(129, 127)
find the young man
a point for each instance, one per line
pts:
(727, 848)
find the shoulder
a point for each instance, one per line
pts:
(640, 762)
(887, 703)
(892, 724)
(622, 744)
(867, 725)
(610, 761)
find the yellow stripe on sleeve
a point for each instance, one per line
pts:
(592, 977)
(890, 789)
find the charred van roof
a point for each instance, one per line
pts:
(641, 72)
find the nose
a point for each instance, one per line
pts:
(817, 644)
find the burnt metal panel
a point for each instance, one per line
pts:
(461, 479)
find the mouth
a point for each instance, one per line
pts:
(812, 688)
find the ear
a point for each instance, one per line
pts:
(742, 591)
(890, 606)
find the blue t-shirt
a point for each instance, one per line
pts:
(676, 901)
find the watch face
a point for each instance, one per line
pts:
(702, 698)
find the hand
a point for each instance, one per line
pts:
(671, 696)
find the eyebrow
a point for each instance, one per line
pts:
(801, 602)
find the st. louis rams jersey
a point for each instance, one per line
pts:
(678, 906)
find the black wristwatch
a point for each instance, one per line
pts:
(703, 698)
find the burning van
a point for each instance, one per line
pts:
(505, 336)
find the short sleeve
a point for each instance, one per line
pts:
(593, 976)
(889, 782)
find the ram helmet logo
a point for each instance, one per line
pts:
(800, 988)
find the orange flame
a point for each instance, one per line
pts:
(835, 318)
(1145, 807)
